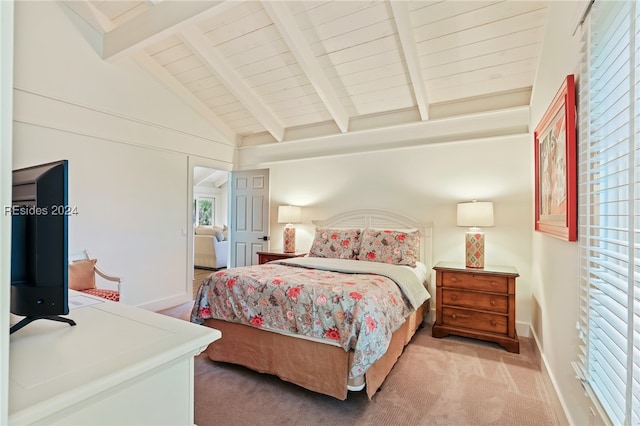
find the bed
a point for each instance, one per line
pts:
(333, 321)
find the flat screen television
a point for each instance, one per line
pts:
(39, 243)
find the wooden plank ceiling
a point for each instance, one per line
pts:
(269, 71)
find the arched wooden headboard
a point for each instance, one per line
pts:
(383, 219)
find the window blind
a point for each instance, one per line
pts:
(609, 209)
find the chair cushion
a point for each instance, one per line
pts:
(105, 294)
(82, 275)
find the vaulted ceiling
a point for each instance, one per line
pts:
(266, 71)
(204, 176)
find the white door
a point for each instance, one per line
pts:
(249, 216)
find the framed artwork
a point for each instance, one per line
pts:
(555, 166)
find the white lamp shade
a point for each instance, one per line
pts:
(289, 214)
(475, 214)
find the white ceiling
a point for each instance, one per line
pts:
(204, 176)
(269, 71)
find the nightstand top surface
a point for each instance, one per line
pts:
(281, 253)
(488, 269)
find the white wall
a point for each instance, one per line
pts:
(129, 143)
(131, 222)
(424, 183)
(6, 108)
(555, 262)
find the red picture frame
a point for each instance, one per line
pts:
(555, 166)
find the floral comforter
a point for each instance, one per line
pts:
(358, 311)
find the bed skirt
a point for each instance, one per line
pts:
(315, 366)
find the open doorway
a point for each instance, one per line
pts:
(209, 222)
(210, 189)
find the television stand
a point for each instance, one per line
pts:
(27, 320)
(121, 365)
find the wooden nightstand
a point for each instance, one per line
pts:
(477, 303)
(268, 256)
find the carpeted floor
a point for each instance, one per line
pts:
(450, 381)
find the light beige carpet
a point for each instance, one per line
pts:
(449, 381)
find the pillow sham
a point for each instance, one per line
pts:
(390, 246)
(335, 243)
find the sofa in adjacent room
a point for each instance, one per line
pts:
(210, 247)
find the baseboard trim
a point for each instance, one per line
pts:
(522, 328)
(549, 382)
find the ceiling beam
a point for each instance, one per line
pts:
(227, 75)
(294, 38)
(160, 21)
(87, 11)
(170, 82)
(407, 40)
(510, 122)
(222, 178)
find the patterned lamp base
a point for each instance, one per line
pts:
(289, 239)
(474, 243)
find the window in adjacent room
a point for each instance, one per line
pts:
(204, 210)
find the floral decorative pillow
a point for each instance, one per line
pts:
(336, 243)
(387, 246)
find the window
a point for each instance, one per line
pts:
(204, 210)
(609, 209)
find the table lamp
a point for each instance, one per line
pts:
(475, 214)
(289, 215)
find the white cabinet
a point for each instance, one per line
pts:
(118, 365)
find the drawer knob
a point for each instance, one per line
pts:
(454, 279)
(493, 302)
(493, 323)
(454, 316)
(454, 297)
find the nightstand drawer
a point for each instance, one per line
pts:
(478, 303)
(468, 299)
(484, 321)
(478, 282)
